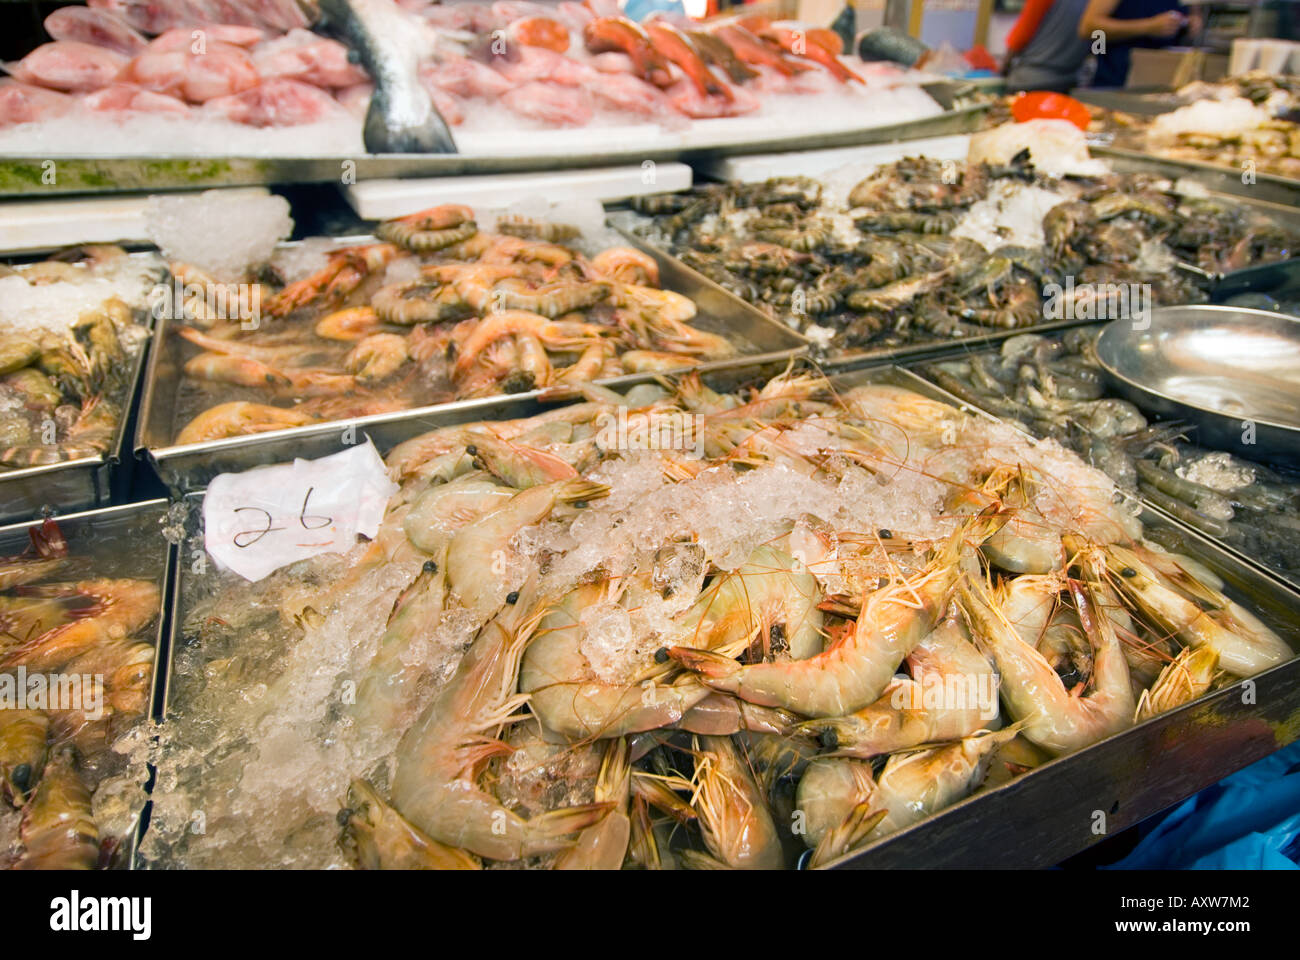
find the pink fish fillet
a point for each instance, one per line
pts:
(466, 78)
(69, 65)
(24, 103)
(302, 55)
(550, 104)
(221, 71)
(96, 27)
(128, 97)
(275, 103)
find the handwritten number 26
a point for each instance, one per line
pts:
(308, 521)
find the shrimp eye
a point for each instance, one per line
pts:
(512, 597)
(580, 504)
(886, 533)
(471, 450)
(1128, 572)
(830, 740)
(21, 776)
(661, 655)
(430, 566)
(344, 816)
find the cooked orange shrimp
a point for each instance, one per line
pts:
(117, 608)
(626, 265)
(553, 299)
(377, 357)
(854, 671)
(653, 361)
(651, 303)
(589, 365)
(353, 323)
(238, 418)
(435, 786)
(241, 371)
(419, 301)
(346, 270)
(553, 333)
(431, 229)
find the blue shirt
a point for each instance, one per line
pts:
(1112, 66)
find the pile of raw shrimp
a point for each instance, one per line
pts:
(679, 628)
(439, 311)
(76, 674)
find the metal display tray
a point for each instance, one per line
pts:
(1113, 390)
(1266, 187)
(1052, 812)
(1262, 278)
(152, 557)
(74, 484)
(19, 175)
(191, 466)
(852, 359)
(1047, 814)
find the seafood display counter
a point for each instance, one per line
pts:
(677, 660)
(371, 339)
(83, 602)
(159, 98)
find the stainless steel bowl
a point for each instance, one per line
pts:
(1232, 372)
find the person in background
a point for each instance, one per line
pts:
(1044, 49)
(1126, 24)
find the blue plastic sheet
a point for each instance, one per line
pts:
(1248, 821)
(640, 9)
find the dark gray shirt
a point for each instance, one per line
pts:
(1052, 58)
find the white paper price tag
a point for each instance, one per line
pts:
(262, 519)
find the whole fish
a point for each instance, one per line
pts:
(401, 117)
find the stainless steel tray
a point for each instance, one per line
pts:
(1268, 187)
(74, 484)
(1128, 101)
(1217, 367)
(81, 174)
(190, 467)
(1234, 446)
(622, 221)
(1048, 814)
(151, 558)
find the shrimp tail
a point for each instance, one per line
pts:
(551, 830)
(855, 828)
(715, 668)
